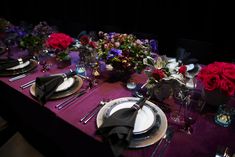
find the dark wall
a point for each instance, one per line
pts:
(168, 20)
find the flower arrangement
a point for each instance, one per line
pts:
(43, 30)
(218, 76)
(161, 81)
(31, 42)
(60, 43)
(87, 49)
(123, 52)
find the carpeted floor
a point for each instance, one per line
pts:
(13, 144)
(17, 146)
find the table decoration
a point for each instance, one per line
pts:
(161, 81)
(123, 54)
(218, 80)
(60, 43)
(224, 115)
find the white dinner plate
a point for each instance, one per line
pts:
(68, 82)
(145, 117)
(20, 66)
(148, 111)
(66, 91)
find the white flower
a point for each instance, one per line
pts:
(109, 67)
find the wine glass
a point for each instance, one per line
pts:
(192, 107)
(190, 115)
(180, 96)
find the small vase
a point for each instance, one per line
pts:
(215, 98)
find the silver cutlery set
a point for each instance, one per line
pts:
(69, 101)
(89, 115)
(166, 139)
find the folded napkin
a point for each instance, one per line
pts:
(184, 57)
(46, 86)
(117, 129)
(8, 63)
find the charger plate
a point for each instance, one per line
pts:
(20, 66)
(143, 134)
(27, 67)
(67, 91)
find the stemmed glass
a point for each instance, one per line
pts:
(181, 97)
(191, 107)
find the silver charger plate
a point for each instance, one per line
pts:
(145, 137)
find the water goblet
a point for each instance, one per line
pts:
(180, 96)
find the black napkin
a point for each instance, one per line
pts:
(184, 57)
(46, 86)
(117, 129)
(8, 63)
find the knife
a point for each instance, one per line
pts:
(69, 101)
(17, 77)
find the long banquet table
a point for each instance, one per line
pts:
(72, 138)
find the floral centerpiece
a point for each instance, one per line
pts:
(123, 52)
(218, 80)
(87, 49)
(162, 82)
(31, 42)
(60, 44)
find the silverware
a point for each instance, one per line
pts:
(93, 112)
(17, 77)
(28, 84)
(68, 102)
(168, 134)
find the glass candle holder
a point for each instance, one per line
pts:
(224, 115)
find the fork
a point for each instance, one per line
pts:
(89, 115)
(168, 139)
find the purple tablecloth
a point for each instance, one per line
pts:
(206, 137)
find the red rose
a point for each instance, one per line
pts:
(59, 41)
(227, 87)
(229, 71)
(211, 82)
(84, 40)
(214, 68)
(92, 44)
(158, 74)
(182, 69)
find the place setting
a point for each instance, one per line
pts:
(55, 86)
(14, 67)
(150, 122)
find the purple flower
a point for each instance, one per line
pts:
(113, 53)
(111, 34)
(154, 45)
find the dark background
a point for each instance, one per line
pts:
(203, 27)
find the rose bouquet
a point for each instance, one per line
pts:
(218, 76)
(123, 52)
(59, 43)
